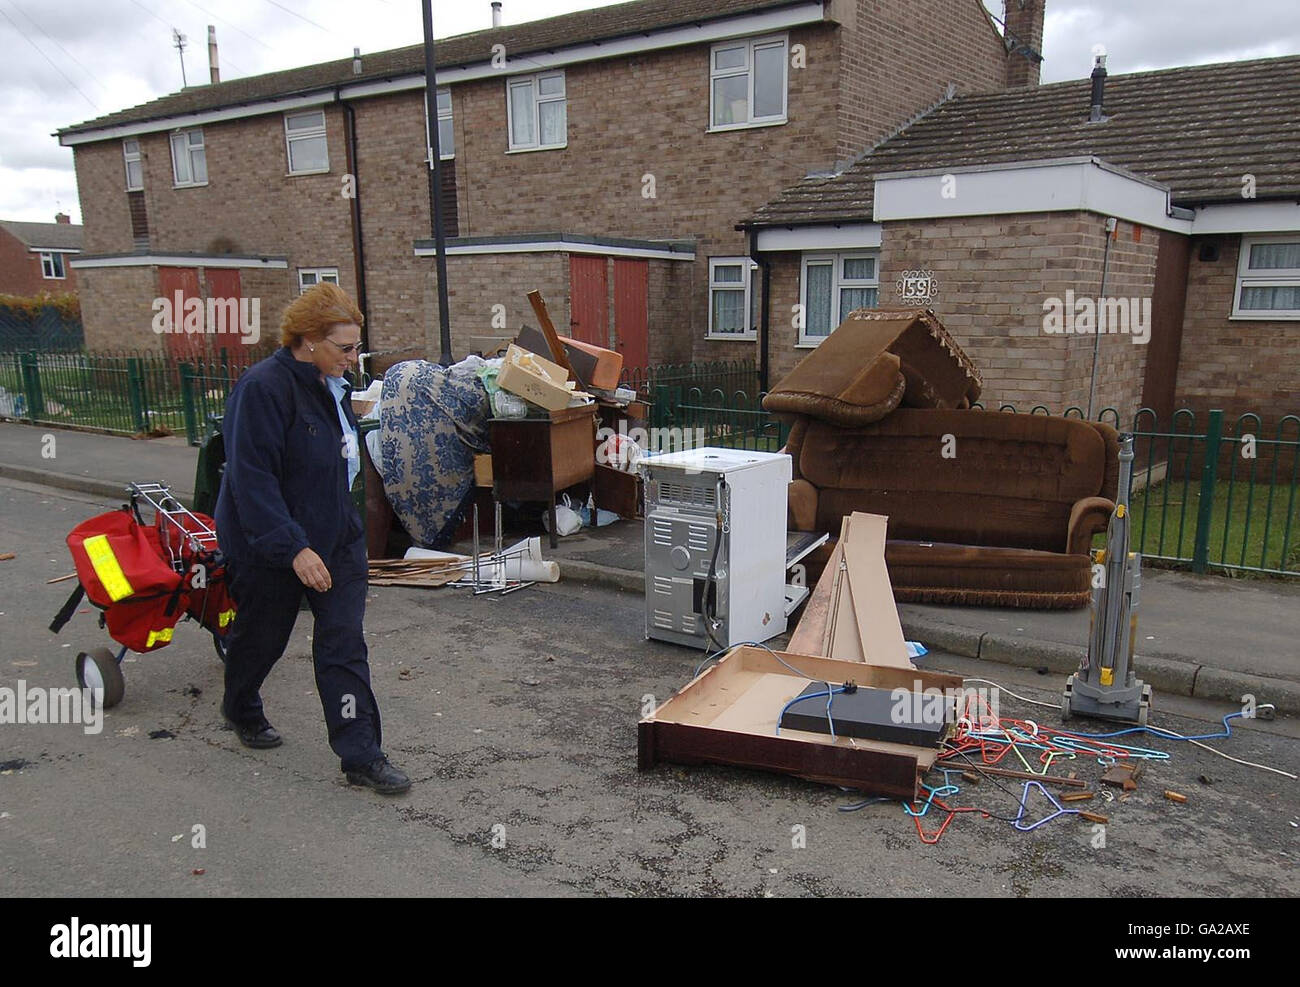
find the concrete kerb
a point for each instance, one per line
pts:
(578, 571)
(1170, 675)
(67, 481)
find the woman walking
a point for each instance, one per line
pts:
(288, 526)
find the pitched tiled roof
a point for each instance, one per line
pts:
(1197, 130)
(583, 27)
(60, 236)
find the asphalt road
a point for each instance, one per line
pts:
(516, 717)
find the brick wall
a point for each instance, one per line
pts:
(101, 187)
(994, 274)
(393, 188)
(1242, 365)
(896, 57)
(1130, 273)
(121, 299)
(476, 284)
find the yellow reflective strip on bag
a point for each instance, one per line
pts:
(154, 637)
(225, 617)
(107, 568)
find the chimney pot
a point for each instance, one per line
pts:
(496, 13)
(62, 217)
(214, 72)
(356, 61)
(1096, 112)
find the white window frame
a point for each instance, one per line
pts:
(321, 274)
(534, 81)
(1256, 278)
(48, 261)
(750, 45)
(129, 158)
(189, 157)
(443, 154)
(312, 132)
(749, 286)
(838, 284)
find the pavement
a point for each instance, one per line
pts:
(1207, 637)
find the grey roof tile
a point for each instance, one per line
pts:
(1196, 129)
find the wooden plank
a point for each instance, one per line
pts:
(548, 330)
(809, 635)
(880, 632)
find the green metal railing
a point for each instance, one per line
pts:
(1217, 498)
(124, 393)
(717, 418)
(728, 376)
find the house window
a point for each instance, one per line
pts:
(304, 134)
(134, 168)
(446, 133)
(832, 286)
(189, 164)
(747, 83)
(1268, 278)
(309, 276)
(535, 107)
(52, 266)
(733, 298)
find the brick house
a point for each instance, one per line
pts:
(604, 157)
(35, 257)
(993, 206)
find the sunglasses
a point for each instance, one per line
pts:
(345, 349)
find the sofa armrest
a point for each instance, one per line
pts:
(801, 506)
(1087, 517)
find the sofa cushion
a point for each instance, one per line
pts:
(875, 360)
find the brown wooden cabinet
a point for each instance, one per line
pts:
(533, 459)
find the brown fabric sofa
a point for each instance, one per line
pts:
(1007, 520)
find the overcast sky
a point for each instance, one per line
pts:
(65, 61)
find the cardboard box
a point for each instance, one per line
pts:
(483, 469)
(535, 379)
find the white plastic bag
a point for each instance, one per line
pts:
(567, 520)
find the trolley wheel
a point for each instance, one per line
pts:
(98, 669)
(1065, 708)
(219, 646)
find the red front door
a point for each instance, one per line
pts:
(631, 311)
(229, 332)
(589, 300)
(177, 286)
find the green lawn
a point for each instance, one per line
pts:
(1240, 513)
